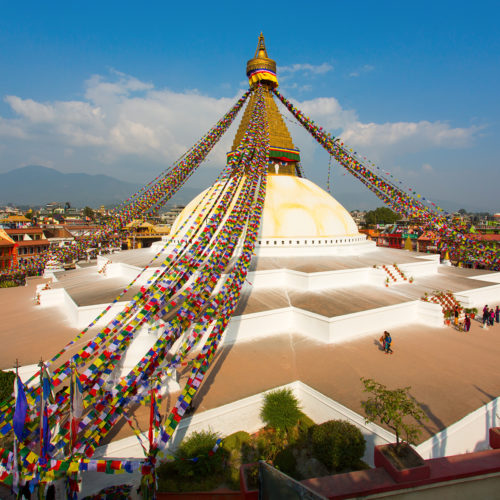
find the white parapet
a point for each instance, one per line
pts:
(469, 434)
(466, 435)
(330, 330)
(244, 415)
(478, 297)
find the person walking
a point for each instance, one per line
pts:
(497, 314)
(387, 342)
(467, 323)
(455, 320)
(485, 316)
(492, 317)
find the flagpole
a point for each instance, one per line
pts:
(15, 465)
(71, 389)
(41, 365)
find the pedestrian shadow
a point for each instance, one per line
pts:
(438, 433)
(378, 344)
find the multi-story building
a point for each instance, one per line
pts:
(30, 241)
(8, 253)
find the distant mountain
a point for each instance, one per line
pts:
(37, 185)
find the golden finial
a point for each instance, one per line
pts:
(262, 68)
(261, 51)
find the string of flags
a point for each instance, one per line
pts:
(190, 298)
(450, 236)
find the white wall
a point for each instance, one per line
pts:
(244, 415)
(79, 316)
(478, 297)
(330, 330)
(467, 435)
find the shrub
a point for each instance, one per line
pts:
(198, 443)
(305, 423)
(6, 385)
(280, 410)
(11, 279)
(338, 444)
(7, 284)
(204, 473)
(286, 462)
(234, 441)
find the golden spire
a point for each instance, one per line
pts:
(261, 51)
(262, 70)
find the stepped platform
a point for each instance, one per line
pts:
(87, 287)
(29, 332)
(327, 302)
(377, 256)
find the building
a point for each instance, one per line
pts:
(15, 221)
(141, 234)
(171, 214)
(30, 241)
(8, 252)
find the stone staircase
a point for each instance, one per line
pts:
(394, 274)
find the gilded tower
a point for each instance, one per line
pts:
(283, 155)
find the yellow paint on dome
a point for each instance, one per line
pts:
(295, 208)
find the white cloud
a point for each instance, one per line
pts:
(407, 137)
(121, 119)
(364, 69)
(319, 69)
(384, 142)
(119, 116)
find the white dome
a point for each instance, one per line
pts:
(294, 208)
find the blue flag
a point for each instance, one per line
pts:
(46, 394)
(20, 411)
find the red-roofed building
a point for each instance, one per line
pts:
(30, 241)
(8, 253)
(426, 242)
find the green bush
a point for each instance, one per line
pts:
(305, 423)
(198, 443)
(286, 462)
(6, 385)
(280, 410)
(7, 284)
(338, 444)
(11, 279)
(203, 474)
(234, 441)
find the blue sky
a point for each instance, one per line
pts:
(123, 88)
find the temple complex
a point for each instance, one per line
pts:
(317, 298)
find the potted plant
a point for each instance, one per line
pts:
(393, 408)
(447, 317)
(249, 481)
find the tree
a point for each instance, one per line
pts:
(381, 215)
(88, 212)
(393, 407)
(280, 410)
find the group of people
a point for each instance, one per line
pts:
(490, 315)
(386, 342)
